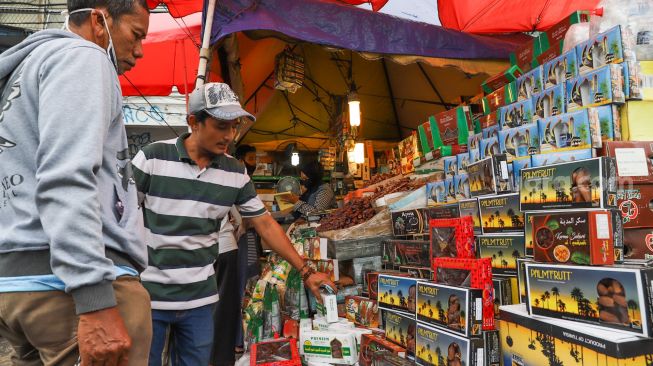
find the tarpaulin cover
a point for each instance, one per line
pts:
(352, 28)
(178, 8)
(499, 16)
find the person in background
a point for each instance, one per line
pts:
(187, 186)
(70, 243)
(230, 269)
(318, 195)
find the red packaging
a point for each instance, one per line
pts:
(469, 272)
(635, 205)
(278, 352)
(452, 238)
(638, 244)
(362, 311)
(488, 120)
(631, 154)
(371, 343)
(373, 281)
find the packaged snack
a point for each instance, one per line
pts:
(501, 214)
(452, 237)
(455, 349)
(400, 330)
(549, 102)
(470, 208)
(328, 347)
(372, 343)
(595, 88)
(455, 309)
(397, 293)
(530, 84)
(503, 250)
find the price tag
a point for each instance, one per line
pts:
(631, 162)
(602, 227)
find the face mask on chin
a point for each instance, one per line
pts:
(111, 52)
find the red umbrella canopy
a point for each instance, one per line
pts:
(178, 8)
(507, 16)
(171, 57)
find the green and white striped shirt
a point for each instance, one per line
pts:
(183, 206)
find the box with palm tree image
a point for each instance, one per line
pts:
(470, 208)
(573, 237)
(503, 250)
(580, 184)
(521, 278)
(400, 329)
(501, 214)
(616, 298)
(397, 293)
(531, 341)
(569, 131)
(456, 309)
(437, 347)
(611, 47)
(549, 102)
(516, 114)
(598, 87)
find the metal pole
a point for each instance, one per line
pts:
(205, 51)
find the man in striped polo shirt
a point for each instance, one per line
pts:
(186, 186)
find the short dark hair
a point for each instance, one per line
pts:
(116, 8)
(243, 150)
(201, 116)
(313, 170)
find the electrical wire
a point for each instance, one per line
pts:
(151, 106)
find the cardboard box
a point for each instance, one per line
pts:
(635, 123)
(474, 156)
(616, 298)
(635, 204)
(462, 162)
(525, 54)
(521, 278)
(470, 208)
(425, 133)
(372, 343)
(385, 358)
(606, 122)
(516, 114)
(646, 69)
(277, 352)
(408, 151)
(463, 351)
(530, 84)
(560, 69)
(557, 32)
(452, 126)
(573, 237)
(489, 132)
(503, 250)
(489, 120)
(633, 161)
(413, 252)
(409, 222)
(610, 47)
(397, 293)
(492, 348)
(501, 214)
(422, 273)
(362, 311)
(489, 176)
(519, 142)
(517, 166)
(441, 192)
(581, 184)
(328, 309)
(568, 131)
(633, 80)
(505, 95)
(400, 330)
(453, 238)
(450, 166)
(499, 80)
(373, 281)
(328, 346)
(489, 147)
(618, 230)
(327, 266)
(545, 159)
(461, 187)
(502, 294)
(455, 309)
(638, 244)
(529, 341)
(474, 273)
(474, 141)
(549, 102)
(595, 88)
(528, 234)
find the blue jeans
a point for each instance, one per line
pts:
(191, 334)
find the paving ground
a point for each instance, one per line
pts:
(5, 353)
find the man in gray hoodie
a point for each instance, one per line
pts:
(70, 249)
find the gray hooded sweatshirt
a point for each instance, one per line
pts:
(68, 204)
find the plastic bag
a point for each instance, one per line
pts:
(635, 17)
(577, 33)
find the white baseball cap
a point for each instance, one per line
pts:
(218, 100)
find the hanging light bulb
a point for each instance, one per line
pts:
(354, 109)
(359, 153)
(294, 159)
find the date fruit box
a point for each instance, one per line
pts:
(524, 340)
(362, 311)
(635, 203)
(560, 157)
(638, 244)
(409, 222)
(499, 80)
(568, 131)
(634, 161)
(503, 250)
(549, 102)
(373, 281)
(452, 238)
(530, 84)
(561, 69)
(328, 346)
(412, 252)
(455, 309)
(610, 47)
(617, 298)
(470, 208)
(372, 343)
(400, 329)
(595, 88)
(502, 294)
(474, 273)
(454, 349)
(573, 237)
(516, 114)
(574, 185)
(501, 214)
(489, 176)
(521, 278)
(520, 142)
(397, 293)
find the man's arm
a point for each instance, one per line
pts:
(278, 241)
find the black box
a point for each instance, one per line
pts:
(521, 278)
(501, 214)
(470, 208)
(456, 309)
(503, 250)
(464, 350)
(489, 176)
(579, 184)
